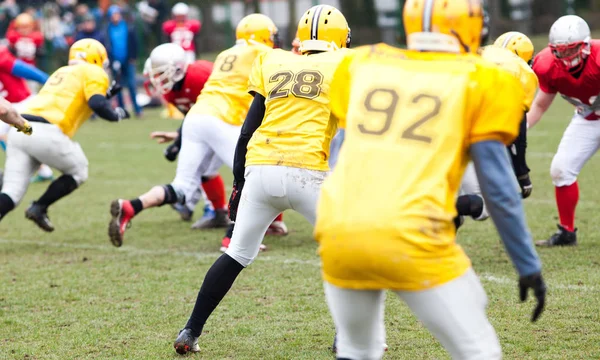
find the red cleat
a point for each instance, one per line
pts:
(226, 241)
(122, 213)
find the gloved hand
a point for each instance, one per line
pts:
(122, 113)
(234, 199)
(526, 185)
(535, 282)
(113, 89)
(172, 151)
(25, 129)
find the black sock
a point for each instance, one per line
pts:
(218, 281)
(229, 232)
(469, 205)
(59, 188)
(137, 205)
(6, 204)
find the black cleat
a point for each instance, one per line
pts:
(186, 342)
(38, 214)
(220, 220)
(562, 237)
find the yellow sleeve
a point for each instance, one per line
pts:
(340, 91)
(530, 85)
(95, 82)
(255, 81)
(500, 109)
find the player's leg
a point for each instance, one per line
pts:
(455, 313)
(19, 167)
(191, 164)
(358, 317)
(62, 153)
(129, 75)
(256, 210)
(303, 188)
(579, 142)
(214, 187)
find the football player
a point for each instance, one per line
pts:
(65, 102)
(183, 31)
(570, 65)
(513, 51)
(211, 127)
(426, 110)
(23, 37)
(281, 153)
(180, 84)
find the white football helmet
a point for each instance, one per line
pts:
(167, 65)
(570, 41)
(180, 9)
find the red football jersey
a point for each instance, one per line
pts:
(12, 88)
(182, 34)
(583, 92)
(196, 76)
(25, 46)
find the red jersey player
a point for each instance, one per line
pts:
(182, 31)
(570, 65)
(24, 38)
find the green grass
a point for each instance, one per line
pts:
(71, 295)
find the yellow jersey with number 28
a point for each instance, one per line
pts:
(512, 63)
(297, 128)
(63, 100)
(225, 94)
(384, 219)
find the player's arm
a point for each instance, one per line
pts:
(29, 72)
(517, 152)
(95, 90)
(253, 120)
(540, 105)
(9, 115)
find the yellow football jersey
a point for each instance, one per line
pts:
(63, 100)
(384, 218)
(225, 94)
(297, 128)
(516, 66)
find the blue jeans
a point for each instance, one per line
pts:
(126, 77)
(334, 149)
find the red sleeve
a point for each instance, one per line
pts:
(12, 36)
(7, 60)
(542, 66)
(168, 27)
(38, 39)
(195, 26)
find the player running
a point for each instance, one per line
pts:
(513, 51)
(211, 127)
(281, 155)
(65, 102)
(180, 84)
(570, 65)
(424, 110)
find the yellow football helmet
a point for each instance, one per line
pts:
(258, 28)
(323, 28)
(442, 25)
(518, 43)
(90, 51)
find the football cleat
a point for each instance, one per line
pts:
(277, 228)
(213, 219)
(122, 213)
(562, 237)
(227, 240)
(39, 178)
(186, 342)
(38, 214)
(184, 212)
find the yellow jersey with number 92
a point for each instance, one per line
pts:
(384, 219)
(63, 100)
(297, 127)
(225, 94)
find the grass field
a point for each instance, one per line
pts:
(72, 295)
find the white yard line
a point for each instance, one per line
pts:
(485, 277)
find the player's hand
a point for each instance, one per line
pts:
(526, 185)
(234, 199)
(113, 89)
(535, 282)
(122, 113)
(116, 65)
(164, 136)
(171, 152)
(25, 128)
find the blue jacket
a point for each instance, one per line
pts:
(131, 39)
(96, 35)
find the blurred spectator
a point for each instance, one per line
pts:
(122, 51)
(153, 13)
(11, 7)
(183, 31)
(81, 13)
(89, 30)
(4, 22)
(25, 38)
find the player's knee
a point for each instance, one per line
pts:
(242, 259)
(560, 175)
(81, 175)
(173, 194)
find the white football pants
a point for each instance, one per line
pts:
(268, 191)
(206, 145)
(580, 141)
(47, 145)
(455, 313)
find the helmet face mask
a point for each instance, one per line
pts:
(570, 41)
(166, 66)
